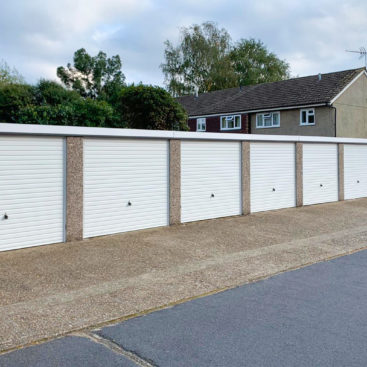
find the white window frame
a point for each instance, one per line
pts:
(228, 118)
(272, 113)
(199, 123)
(307, 110)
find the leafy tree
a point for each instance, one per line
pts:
(51, 92)
(90, 112)
(12, 98)
(200, 61)
(149, 107)
(254, 64)
(49, 103)
(206, 60)
(93, 76)
(9, 75)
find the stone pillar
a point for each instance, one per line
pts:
(341, 172)
(246, 202)
(174, 181)
(299, 174)
(74, 188)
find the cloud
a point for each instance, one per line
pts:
(37, 36)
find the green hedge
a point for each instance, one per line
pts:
(48, 103)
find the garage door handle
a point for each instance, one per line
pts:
(321, 185)
(357, 181)
(6, 216)
(273, 189)
(212, 195)
(129, 203)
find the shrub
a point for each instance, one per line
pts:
(83, 112)
(50, 92)
(94, 113)
(13, 97)
(149, 107)
(45, 115)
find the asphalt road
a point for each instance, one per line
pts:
(315, 316)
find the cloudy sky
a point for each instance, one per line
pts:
(39, 35)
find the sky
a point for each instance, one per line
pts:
(38, 36)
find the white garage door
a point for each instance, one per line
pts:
(210, 180)
(31, 191)
(125, 185)
(320, 173)
(273, 176)
(355, 171)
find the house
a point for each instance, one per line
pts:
(331, 104)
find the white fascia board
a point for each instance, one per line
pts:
(347, 86)
(6, 128)
(325, 139)
(262, 110)
(99, 132)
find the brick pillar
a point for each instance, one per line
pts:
(174, 181)
(299, 174)
(246, 203)
(74, 188)
(341, 172)
(245, 121)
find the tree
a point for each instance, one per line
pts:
(9, 75)
(200, 62)
(93, 76)
(149, 107)
(53, 93)
(206, 60)
(12, 98)
(254, 64)
(49, 103)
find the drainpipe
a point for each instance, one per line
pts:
(331, 106)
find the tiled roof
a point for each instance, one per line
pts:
(302, 91)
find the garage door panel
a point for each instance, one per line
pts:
(320, 173)
(273, 176)
(355, 171)
(210, 168)
(120, 171)
(31, 191)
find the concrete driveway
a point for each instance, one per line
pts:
(314, 316)
(54, 290)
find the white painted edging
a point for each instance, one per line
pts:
(25, 129)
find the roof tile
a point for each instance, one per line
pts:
(285, 93)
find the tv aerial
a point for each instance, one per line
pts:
(362, 54)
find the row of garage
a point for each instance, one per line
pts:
(126, 182)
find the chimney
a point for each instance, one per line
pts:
(196, 92)
(319, 76)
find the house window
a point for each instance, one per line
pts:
(201, 124)
(268, 119)
(307, 117)
(230, 122)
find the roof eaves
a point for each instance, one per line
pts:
(336, 94)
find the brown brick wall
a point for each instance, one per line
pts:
(213, 125)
